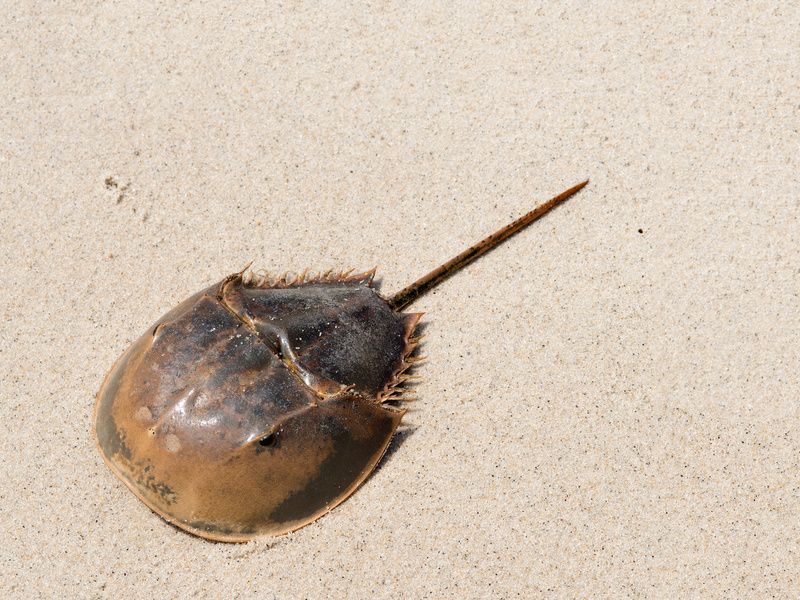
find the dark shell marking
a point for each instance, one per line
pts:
(252, 410)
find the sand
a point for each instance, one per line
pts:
(611, 405)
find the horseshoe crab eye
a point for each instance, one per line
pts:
(268, 440)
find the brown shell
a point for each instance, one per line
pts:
(255, 407)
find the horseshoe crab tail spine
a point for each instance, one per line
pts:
(407, 295)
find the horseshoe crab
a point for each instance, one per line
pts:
(256, 406)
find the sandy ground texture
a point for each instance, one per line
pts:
(611, 405)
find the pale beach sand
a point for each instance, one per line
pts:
(611, 401)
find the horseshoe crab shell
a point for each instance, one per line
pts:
(255, 408)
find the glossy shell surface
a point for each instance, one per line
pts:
(255, 407)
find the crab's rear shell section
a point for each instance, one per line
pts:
(254, 407)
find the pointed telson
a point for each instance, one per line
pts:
(407, 295)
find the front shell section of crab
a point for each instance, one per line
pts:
(255, 407)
